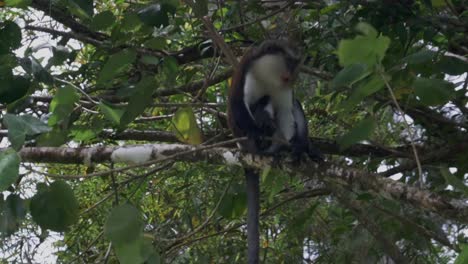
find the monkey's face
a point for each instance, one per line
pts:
(277, 71)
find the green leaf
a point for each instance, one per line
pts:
(131, 22)
(9, 168)
(276, 180)
(368, 87)
(170, 69)
(62, 105)
(156, 15)
(11, 214)
(349, 75)
(13, 88)
(367, 49)
(81, 8)
(433, 91)
(123, 225)
(10, 35)
(116, 64)
(54, 207)
(452, 65)
(157, 43)
(463, 256)
(135, 251)
(184, 125)
(454, 181)
(366, 29)
(18, 3)
(102, 21)
(363, 130)
(422, 56)
(111, 113)
(138, 102)
(54, 138)
(21, 126)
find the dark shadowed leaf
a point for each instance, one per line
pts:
(452, 65)
(103, 20)
(421, 56)
(10, 36)
(18, 3)
(21, 126)
(13, 88)
(9, 168)
(12, 211)
(363, 130)
(117, 63)
(433, 91)
(54, 207)
(365, 88)
(155, 15)
(139, 100)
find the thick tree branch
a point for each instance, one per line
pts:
(149, 154)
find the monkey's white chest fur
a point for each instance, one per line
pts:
(280, 105)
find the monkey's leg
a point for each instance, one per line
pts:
(253, 207)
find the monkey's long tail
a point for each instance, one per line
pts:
(253, 208)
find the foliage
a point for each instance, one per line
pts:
(83, 73)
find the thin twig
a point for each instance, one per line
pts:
(410, 131)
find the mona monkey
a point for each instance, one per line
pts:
(261, 106)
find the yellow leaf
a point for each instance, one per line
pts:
(185, 127)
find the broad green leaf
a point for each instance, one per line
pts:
(184, 126)
(367, 49)
(433, 91)
(21, 126)
(112, 114)
(62, 105)
(365, 88)
(18, 3)
(134, 251)
(12, 89)
(103, 20)
(150, 60)
(139, 100)
(157, 43)
(116, 64)
(349, 75)
(83, 133)
(463, 256)
(366, 29)
(170, 69)
(156, 15)
(10, 36)
(54, 138)
(12, 211)
(131, 22)
(123, 225)
(81, 8)
(234, 202)
(363, 130)
(9, 168)
(452, 65)
(54, 207)
(454, 181)
(422, 56)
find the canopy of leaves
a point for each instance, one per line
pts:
(384, 88)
